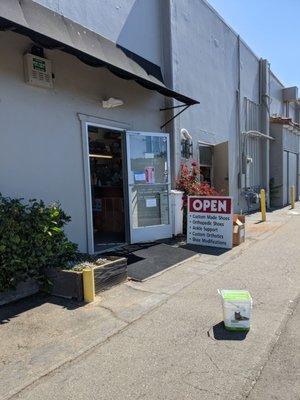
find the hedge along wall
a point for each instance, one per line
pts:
(31, 238)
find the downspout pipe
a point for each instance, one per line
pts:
(265, 123)
(238, 123)
(168, 55)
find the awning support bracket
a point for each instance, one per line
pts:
(186, 106)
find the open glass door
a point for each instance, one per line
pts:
(148, 161)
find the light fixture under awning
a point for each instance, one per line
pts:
(53, 31)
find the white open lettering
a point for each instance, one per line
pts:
(222, 205)
(197, 205)
(206, 205)
(213, 205)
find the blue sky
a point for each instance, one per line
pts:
(271, 28)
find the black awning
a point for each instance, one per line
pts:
(53, 31)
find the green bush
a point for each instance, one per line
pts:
(31, 238)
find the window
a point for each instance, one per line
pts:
(205, 155)
(206, 163)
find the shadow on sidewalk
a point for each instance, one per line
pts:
(218, 332)
(13, 310)
(212, 251)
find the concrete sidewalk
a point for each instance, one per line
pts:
(165, 340)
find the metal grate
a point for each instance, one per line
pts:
(251, 115)
(253, 145)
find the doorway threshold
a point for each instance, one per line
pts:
(105, 247)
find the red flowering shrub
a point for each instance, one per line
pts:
(189, 182)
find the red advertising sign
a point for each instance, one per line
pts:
(209, 221)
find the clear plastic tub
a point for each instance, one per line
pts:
(237, 305)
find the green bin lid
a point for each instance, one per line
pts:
(235, 295)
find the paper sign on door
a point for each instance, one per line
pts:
(139, 176)
(151, 202)
(149, 172)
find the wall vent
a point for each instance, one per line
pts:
(38, 71)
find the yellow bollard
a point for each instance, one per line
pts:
(88, 285)
(263, 205)
(293, 196)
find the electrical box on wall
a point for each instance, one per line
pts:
(38, 71)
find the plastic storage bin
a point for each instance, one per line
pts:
(237, 305)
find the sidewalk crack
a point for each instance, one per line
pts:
(196, 387)
(148, 291)
(114, 314)
(212, 360)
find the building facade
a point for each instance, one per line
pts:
(239, 95)
(95, 136)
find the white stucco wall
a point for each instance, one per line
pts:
(249, 74)
(204, 53)
(292, 113)
(134, 24)
(276, 104)
(40, 138)
(205, 65)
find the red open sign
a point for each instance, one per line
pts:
(210, 205)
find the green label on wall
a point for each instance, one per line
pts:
(39, 64)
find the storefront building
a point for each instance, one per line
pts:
(81, 124)
(99, 107)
